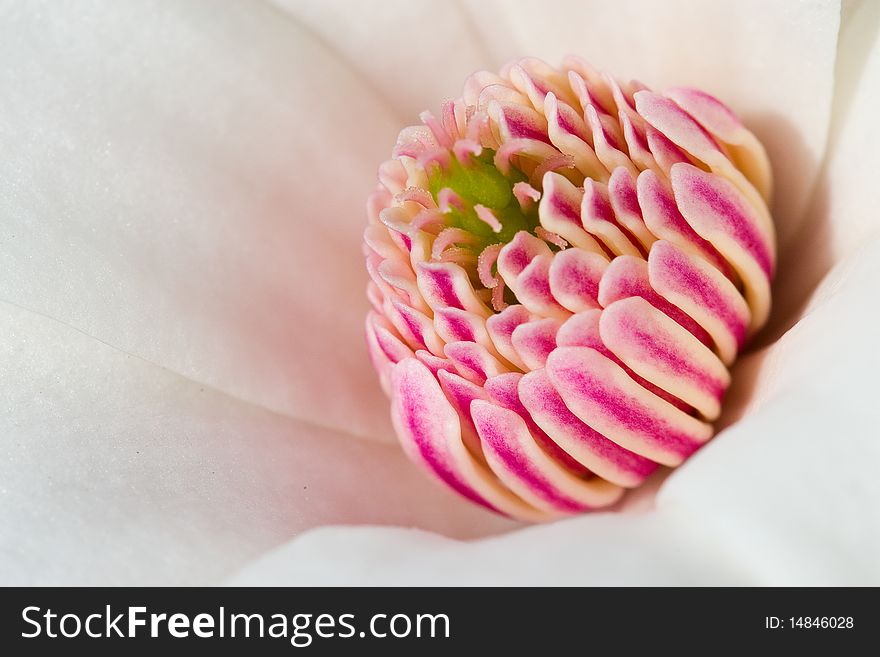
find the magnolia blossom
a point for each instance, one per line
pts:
(185, 391)
(563, 268)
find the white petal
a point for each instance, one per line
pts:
(416, 54)
(189, 185)
(844, 207)
(792, 488)
(115, 471)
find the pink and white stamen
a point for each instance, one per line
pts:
(563, 269)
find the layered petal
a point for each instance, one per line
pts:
(595, 261)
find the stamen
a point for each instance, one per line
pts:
(428, 219)
(475, 125)
(447, 199)
(526, 195)
(416, 195)
(551, 237)
(509, 149)
(561, 161)
(465, 148)
(440, 156)
(443, 138)
(449, 236)
(498, 302)
(447, 113)
(465, 258)
(488, 258)
(488, 217)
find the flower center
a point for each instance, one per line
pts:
(480, 199)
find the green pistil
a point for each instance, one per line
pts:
(480, 182)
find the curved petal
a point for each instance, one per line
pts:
(197, 198)
(396, 46)
(119, 472)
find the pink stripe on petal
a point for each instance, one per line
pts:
(746, 151)
(447, 284)
(719, 213)
(589, 447)
(625, 203)
(460, 392)
(518, 122)
(532, 289)
(704, 293)
(535, 340)
(598, 218)
(637, 144)
(571, 135)
(628, 277)
(564, 120)
(390, 344)
(582, 330)
(416, 327)
(504, 390)
(588, 85)
(664, 219)
(501, 327)
(560, 212)
(515, 256)
(664, 353)
(664, 152)
(473, 361)
(430, 433)
(600, 393)
(574, 278)
(518, 461)
(527, 85)
(606, 144)
(714, 207)
(676, 124)
(456, 325)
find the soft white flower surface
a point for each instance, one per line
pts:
(184, 385)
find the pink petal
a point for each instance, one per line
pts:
(664, 353)
(574, 278)
(704, 293)
(520, 463)
(430, 432)
(601, 393)
(586, 445)
(719, 213)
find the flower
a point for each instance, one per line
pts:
(185, 391)
(563, 268)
